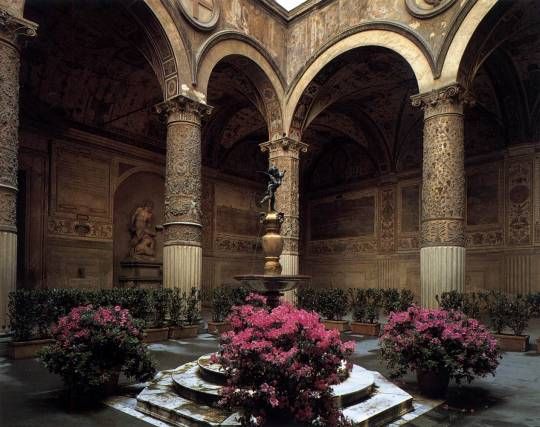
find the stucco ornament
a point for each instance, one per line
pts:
(203, 14)
(428, 8)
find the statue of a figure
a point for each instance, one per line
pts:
(143, 232)
(275, 178)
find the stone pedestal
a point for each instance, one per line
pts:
(442, 257)
(182, 251)
(140, 274)
(285, 154)
(11, 28)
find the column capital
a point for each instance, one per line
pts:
(182, 108)
(446, 100)
(284, 147)
(13, 27)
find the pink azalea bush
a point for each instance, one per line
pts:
(282, 361)
(440, 341)
(93, 345)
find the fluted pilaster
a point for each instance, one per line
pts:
(442, 256)
(182, 252)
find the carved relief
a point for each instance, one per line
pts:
(342, 246)
(183, 182)
(203, 14)
(428, 8)
(236, 244)
(443, 178)
(386, 220)
(8, 201)
(208, 214)
(83, 227)
(519, 206)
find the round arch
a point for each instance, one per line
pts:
(266, 77)
(398, 43)
(450, 72)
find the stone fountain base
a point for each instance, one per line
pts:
(188, 396)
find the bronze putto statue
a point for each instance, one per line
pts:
(275, 178)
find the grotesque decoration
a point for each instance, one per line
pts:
(143, 232)
(275, 178)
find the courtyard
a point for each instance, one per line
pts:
(250, 212)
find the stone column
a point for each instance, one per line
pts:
(442, 253)
(182, 251)
(285, 154)
(11, 28)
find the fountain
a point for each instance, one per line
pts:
(272, 283)
(189, 394)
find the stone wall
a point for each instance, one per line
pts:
(371, 239)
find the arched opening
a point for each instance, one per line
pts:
(231, 182)
(88, 85)
(362, 173)
(501, 68)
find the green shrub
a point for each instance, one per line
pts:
(191, 306)
(497, 307)
(307, 298)
(365, 304)
(452, 300)
(519, 313)
(395, 300)
(160, 303)
(333, 303)
(221, 303)
(176, 307)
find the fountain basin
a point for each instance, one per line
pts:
(272, 286)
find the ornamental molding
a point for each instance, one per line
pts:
(446, 100)
(12, 27)
(183, 108)
(424, 9)
(284, 147)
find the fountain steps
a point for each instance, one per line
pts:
(188, 396)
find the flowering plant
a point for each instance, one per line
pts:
(93, 345)
(440, 341)
(282, 361)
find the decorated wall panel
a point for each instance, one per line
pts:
(519, 201)
(408, 215)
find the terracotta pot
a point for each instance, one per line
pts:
(370, 329)
(340, 325)
(26, 349)
(189, 331)
(217, 328)
(151, 335)
(509, 342)
(433, 383)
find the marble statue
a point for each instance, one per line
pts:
(143, 232)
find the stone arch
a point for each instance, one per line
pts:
(450, 71)
(400, 41)
(263, 72)
(167, 51)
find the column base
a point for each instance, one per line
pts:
(8, 275)
(182, 267)
(442, 269)
(290, 266)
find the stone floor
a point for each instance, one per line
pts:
(29, 394)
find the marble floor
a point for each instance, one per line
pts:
(29, 394)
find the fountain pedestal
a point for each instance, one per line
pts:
(272, 284)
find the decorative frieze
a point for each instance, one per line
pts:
(387, 226)
(519, 202)
(342, 246)
(80, 228)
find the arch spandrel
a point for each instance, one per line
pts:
(263, 73)
(410, 51)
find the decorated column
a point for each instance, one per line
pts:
(182, 251)
(442, 253)
(285, 154)
(12, 28)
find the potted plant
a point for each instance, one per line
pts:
(513, 312)
(438, 345)
(365, 304)
(93, 346)
(534, 301)
(281, 364)
(307, 298)
(26, 315)
(333, 306)
(185, 314)
(221, 306)
(156, 329)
